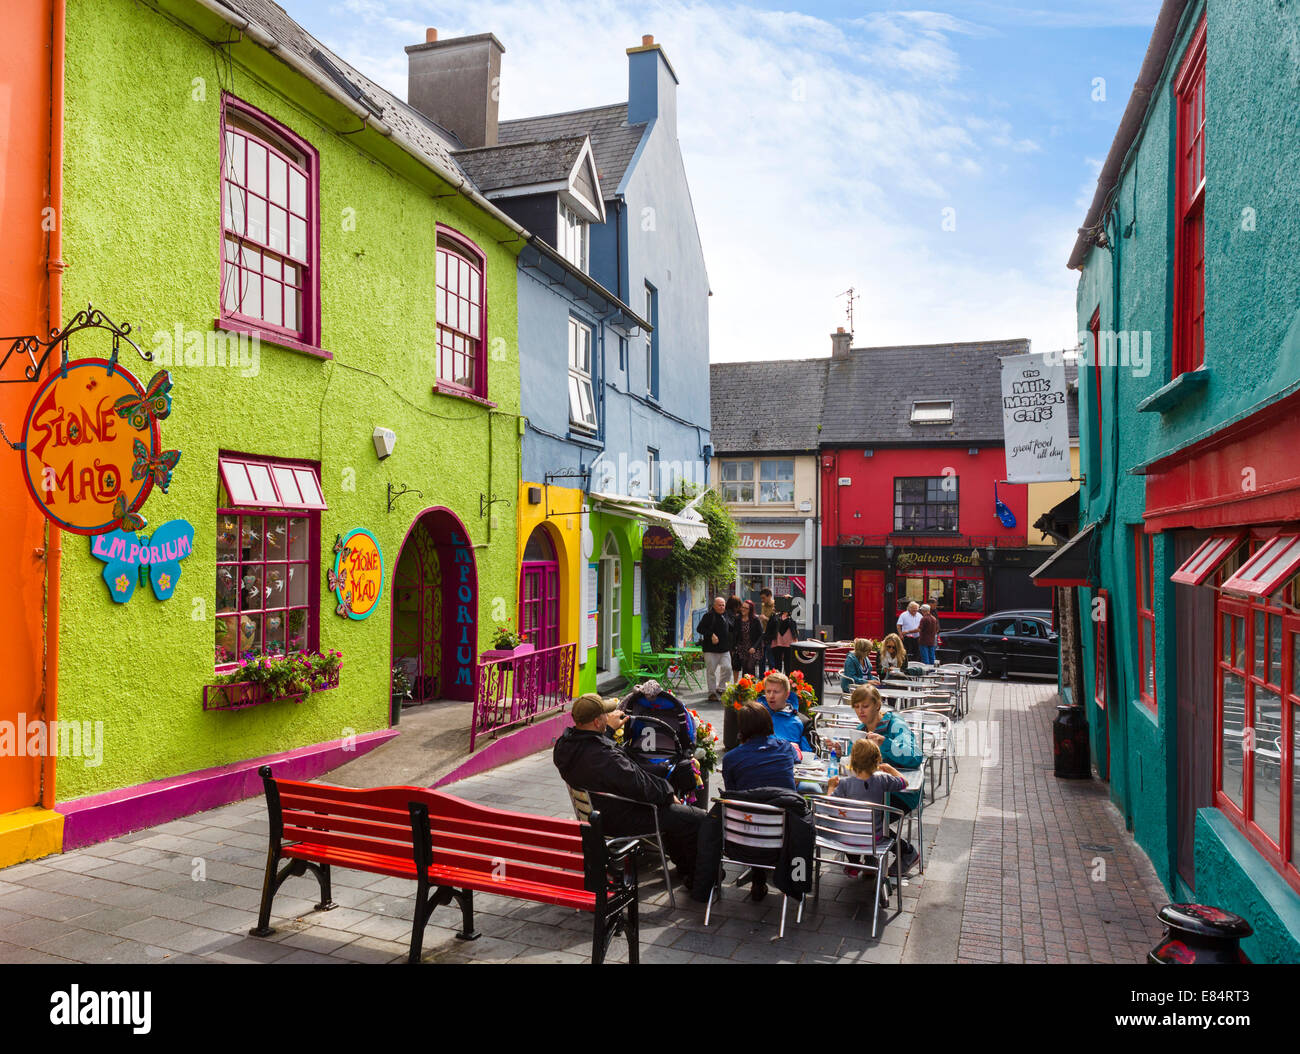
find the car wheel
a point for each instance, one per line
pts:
(975, 661)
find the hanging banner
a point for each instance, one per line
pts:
(91, 448)
(1035, 421)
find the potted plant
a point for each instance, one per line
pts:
(732, 696)
(506, 644)
(806, 693)
(706, 756)
(272, 678)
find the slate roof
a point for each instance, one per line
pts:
(766, 406)
(521, 164)
(613, 140)
(869, 395)
(430, 138)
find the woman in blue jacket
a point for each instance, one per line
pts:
(857, 666)
(898, 745)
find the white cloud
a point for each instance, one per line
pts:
(820, 155)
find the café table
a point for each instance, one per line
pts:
(815, 772)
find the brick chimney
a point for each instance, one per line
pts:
(457, 83)
(651, 85)
(840, 342)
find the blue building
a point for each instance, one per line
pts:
(613, 311)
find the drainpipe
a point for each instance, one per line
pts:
(55, 266)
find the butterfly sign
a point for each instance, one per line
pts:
(357, 577)
(160, 465)
(129, 557)
(154, 404)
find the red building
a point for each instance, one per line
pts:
(911, 461)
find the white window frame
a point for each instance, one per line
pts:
(775, 481)
(581, 390)
(932, 412)
(652, 471)
(649, 342)
(729, 487)
(573, 235)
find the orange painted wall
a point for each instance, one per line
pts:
(26, 52)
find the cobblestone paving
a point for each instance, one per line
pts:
(187, 891)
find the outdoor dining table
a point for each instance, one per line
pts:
(815, 772)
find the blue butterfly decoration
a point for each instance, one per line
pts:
(131, 557)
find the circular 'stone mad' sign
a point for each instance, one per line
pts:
(82, 437)
(359, 571)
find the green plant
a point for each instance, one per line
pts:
(505, 638)
(280, 676)
(710, 558)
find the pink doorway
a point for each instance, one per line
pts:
(539, 600)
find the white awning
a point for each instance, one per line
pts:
(688, 525)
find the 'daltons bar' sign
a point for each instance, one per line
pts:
(1035, 422)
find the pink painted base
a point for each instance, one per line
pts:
(512, 747)
(99, 817)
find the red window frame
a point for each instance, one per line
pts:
(1189, 237)
(242, 520)
(244, 256)
(457, 344)
(1144, 581)
(1237, 659)
(1094, 329)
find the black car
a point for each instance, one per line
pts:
(1020, 641)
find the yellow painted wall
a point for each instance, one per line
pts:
(564, 526)
(1044, 496)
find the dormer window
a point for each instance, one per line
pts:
(572, 237)
(934, 412)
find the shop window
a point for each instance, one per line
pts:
(1146, 618)
(782, 577)
(1189, 249)
(956, 593)
(925, 504)
(1257, 731)
(268, 555)
(270, 275)
(462, 315)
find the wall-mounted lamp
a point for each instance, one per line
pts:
(385, 439)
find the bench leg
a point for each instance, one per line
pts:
(270, 883)
(598, 940)
(271, 886)
(322, 873)
(467, 930)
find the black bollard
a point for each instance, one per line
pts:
(1070, 743)
(1196, 934)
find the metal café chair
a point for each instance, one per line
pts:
(752, 837)
(849, 827)
(581, 801)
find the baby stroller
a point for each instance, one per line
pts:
(660, 737)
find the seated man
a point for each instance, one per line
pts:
(590, 760)
(785, 719)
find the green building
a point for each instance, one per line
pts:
(335, 303)
(1189, 314)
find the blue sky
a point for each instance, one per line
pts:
(824, 143)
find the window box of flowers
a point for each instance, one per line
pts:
(506, 644)
(273, 678)
(732, 696)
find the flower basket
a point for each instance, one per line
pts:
(272, 679)
(505, 655)
(237, 696)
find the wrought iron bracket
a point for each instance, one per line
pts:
(392, 497)
(485, 503)
(38, 350)
(583, 474)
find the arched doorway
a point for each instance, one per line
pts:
(609, 591)
(539, 599)
(435, 608)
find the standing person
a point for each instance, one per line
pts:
(909, 628)
(928, 635)
(746, 642)
(766, 612)
(732, 612)
(715, 642)
(780, 635)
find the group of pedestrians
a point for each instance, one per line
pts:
(737, 636)
(920, 630)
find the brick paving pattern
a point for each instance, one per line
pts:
(187, 891)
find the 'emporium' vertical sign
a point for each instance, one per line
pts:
(465, 622)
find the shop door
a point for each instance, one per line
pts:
(1194, 628)
(539, 613)
(869, 604)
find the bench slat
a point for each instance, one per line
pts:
(385, 832)
(398, 850)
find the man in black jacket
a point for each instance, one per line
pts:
(589, 759)
(715, 642)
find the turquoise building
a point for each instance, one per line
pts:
(1189, 316)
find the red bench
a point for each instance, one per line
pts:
(449, 848)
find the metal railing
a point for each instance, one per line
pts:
(516, 690)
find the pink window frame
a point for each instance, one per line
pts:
(312, 563)
(452, 239)
(307, 337)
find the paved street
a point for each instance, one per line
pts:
(1020, 867)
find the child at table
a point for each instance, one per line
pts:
(872, 778)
